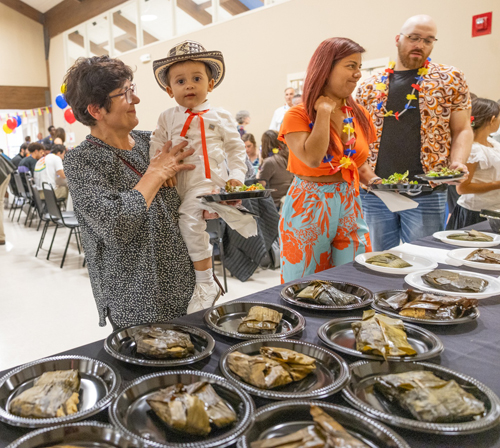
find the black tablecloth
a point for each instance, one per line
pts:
(472, 348)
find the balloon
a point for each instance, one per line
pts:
(61, 101)
(69, 116)
(19, 120)
(63, 88)
(6, 129)
(12, 123)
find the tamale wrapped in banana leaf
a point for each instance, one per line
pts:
(388, 261)
(161, 343)
(274, 367)
(484, 256)
(378, 334)
(261, 320)
(470, 235)
(453, 281)
(429, 398)
(325, 293)
(54, 394)
(190, 409)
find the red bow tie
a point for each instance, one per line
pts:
(203, 138)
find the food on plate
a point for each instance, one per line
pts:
(378, 334)
(444, 172)
(54, 394)
(388, 261)
(273, 367)
(453, 281)
(158, 342)
(325, 432)
(260, 320)
(324, 293)
(470, 235)
(429, 398)
(420, 305)
(397, 178)
(192, 408)
(484, 256)
(237, 189)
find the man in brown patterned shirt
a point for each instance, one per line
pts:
(421, 112)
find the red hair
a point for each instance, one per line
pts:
(320, 66)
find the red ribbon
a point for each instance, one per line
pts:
(203, 138)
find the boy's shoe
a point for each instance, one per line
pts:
(204, 296)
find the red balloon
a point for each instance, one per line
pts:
(12, 123)
(69, 117)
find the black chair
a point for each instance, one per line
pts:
(24, 195)
(17, 202)
(214, 229)
(57, 217)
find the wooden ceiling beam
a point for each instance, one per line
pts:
(194, 10)
(130, 28)
(24, 9)
(94, 48)
(234, 7)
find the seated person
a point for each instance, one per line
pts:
(50, 169)
(36, 151)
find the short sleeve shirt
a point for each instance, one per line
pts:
(46, 169)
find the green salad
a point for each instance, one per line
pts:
(254, 187)
(398, 178)
(444, 172)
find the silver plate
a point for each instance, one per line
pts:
(288, 295)
(225, 319)
(132, 415)
(84, 435)
(363, 374)
(338, 334)
(331, 373)
(99, 386)
(285, 417)
(472, 315)
(121, 345)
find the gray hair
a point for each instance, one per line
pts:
(241, 115)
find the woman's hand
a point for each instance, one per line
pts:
(167, 162)
(323, 103)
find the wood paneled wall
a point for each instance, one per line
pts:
(22, 97)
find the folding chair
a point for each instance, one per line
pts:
(17, 197)
(25, 197)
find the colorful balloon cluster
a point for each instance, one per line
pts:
(62, 103)
(12, 123)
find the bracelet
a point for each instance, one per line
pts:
(373, 180)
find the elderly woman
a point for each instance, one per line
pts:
(243, 119)
(138, 263)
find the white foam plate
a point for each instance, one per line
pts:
(418, 263)
(460, 254)
(415, 279)
(443, 236)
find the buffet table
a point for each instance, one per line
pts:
(471, 348)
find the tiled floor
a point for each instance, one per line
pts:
(45, 310)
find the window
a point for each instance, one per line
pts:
(156, 20)
(98, 32)
(124, 29)
(76, 44)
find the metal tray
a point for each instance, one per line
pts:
(330, 376)
(285, 417)
(432, 178)
(413, 189)
(99, 386)
(132, 415)
(225, 319)
(359, 394)
(471, 315)
(220, 197)
(121, 345)
(288, 295)
(338, 334)
(84, 435)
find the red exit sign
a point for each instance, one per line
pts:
(481, 24)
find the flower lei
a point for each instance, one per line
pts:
(382, 86)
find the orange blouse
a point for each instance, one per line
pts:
(297, 120)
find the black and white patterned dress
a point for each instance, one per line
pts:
(138, 263)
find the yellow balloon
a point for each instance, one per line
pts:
(63, 88)
(6, 129)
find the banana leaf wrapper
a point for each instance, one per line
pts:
(452, 281)
(324, 293)
(297, 364)
(471, 235)
(484, 256)
(260, 320)
(388, 261)
(159, 343)
(429, 398)
(380, 335)
(54, 394)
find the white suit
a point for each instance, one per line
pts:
(226, 153)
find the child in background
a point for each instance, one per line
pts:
(188, 74)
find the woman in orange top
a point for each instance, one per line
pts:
(322, 223)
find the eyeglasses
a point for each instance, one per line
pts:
(416, 39)
(132, 90)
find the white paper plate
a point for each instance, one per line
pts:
(443, 236)
(415, 279)
(460, 254)
(418, 263)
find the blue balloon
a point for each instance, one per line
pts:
(19, 120)
(61, 101)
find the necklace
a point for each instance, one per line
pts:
(381, 88)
